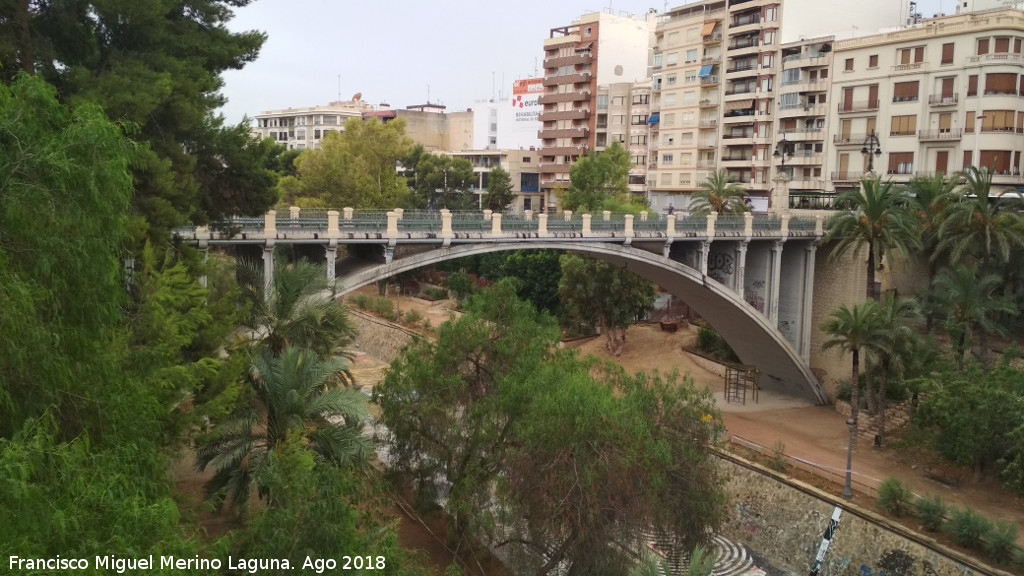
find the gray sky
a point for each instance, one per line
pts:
(464, 50)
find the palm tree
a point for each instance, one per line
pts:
(930, 197)
(970, 305)
(300, 308)
(290, 396)
(719, 193)
(852, 330)
(976, 226)
(878, 219)
(896, 346)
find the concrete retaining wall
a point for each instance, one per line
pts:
(785, 520)
(379, 338)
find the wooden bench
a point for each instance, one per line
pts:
(950, 476)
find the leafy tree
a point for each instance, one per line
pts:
(971, 305)
(295, 312)
(898, 343)
(852, 330)
(499, 195)
(460, 285)
(539, 273)
(598, 179)
(603, 295)
(157, 66)
(977, 226)
(354, 168)
(290, 396)
(444, 182)
(449, 405)
(719, 193)
(879, 220)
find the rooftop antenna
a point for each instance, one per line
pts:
(428, 93)
(492, 85)
(339, 87)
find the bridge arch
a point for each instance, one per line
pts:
(746, 330)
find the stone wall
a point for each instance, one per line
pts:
(835, 283)
(784, 520)
(377, 337)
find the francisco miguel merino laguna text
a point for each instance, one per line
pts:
(121, 565)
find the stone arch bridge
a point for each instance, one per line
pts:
(750, 276)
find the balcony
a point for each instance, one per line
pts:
(849, 139)
(578, 95)
(579, 78)
(579, 58)
(712, 39)
(742, 70)
(707, 145)
(937, 100)
(709, 60)
(562, 133)
(563, 151)
(847, 177)
(862, 106)
(735, 162)
(744, 45)
(708, 103)
(709, 80)
(579, 114)
(804, 135)
(996, 57)
(807, 59)
(706, 165)
(811, 201)
(939, 135)
(812, 159)
(708, 123)
(913, 66)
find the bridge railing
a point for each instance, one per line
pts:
(692, 223)
(767, 224)
(802, 224)
(560, 225)
(731, 222)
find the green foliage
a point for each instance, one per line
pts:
(412, 317)
(778, 460)
(931, 511)
(702, 562)
(596, 293)
(968, 528)
(434, 293)
(1001, 542)
(971, 305)
(354, 168)
(976, 227)
(597, 179)
(362, 301)
(850, 330)
(290, 396)
(719, 194)
(895, 497)
(444, 182)
(460, 285)
(499, 195)
(539, 273)
(711, 343)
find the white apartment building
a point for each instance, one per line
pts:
(941, 95)
(522, 166)
(305, 128)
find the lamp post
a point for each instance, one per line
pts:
(848, 490)
(780, 193)
(783, 150)
(872, 147)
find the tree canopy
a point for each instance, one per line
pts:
(597, 179)
(499, 195)
(719, 193)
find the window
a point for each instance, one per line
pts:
(667, 159)
(849, 65)
(691, 55)
(316, 134)
(619, 119)
(982, 46)
(996, 160)
(947, 53)
(1002, 46)
(901, 163)
(657, 59)
(905, 91)
(640, 98)
(670, 80)
(998, 121)
(972, 85)
(672, 59)
(687, 118)
(618, 100)
(691, 76)
(689, 97)
(873, 61)
(639, 160)
(638, 119)
(903, 125)
(586, 31)
(666, 179)
(969, 123)
(526, 159)
(1000, 83)
(602, 101)
(686, 138)
(668, 119)
(638, 140)
(919, 54)
(824, 74)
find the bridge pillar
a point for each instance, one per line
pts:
(712, 218)
(705, 249)
(806, 326)
(819, 225)
(785, 223)
(776, 279)
(741, 268)
(332, 223)
(392, 224)
(293, 212)
(628, 228)
(496, 224)
(400, 212)
(643, 215)
(748, 224)
(567, 214)
(446, 223)
(331, 250)
(270, 223)
(586, 224)
(487, 214)
(268, 267)
(607, 215)
(347, 212)
(528, 215)
(542, 225)
(670, 226)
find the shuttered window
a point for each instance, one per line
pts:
(901, 163)
(972, 85)
(1002, 45)
(969, 122)
(905, 91)
(945, 122)
(982, 46)
(903, 125)
(947, 53)
(998, 121)
(919, 54)
(1000, 83)
(995, 160)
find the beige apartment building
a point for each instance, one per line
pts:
(522, 166)
(305, 128)
(941, 95)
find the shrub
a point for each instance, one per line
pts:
(362, 301)
(1001, 542)
(932, 512)
(778, 460)
(968, 528)
(383, 307)
(1018, 556)
(460, 284)
(706, 339)
(895, 497)
(412, 317)
(434, 293)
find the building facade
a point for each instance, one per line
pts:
(522, 166)
(305, 128)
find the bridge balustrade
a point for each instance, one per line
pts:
(768, 224)
(802, 224)
(731, 223)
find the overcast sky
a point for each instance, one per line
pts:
(399, 51)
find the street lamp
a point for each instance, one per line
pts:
(848, 490)
(872, 147)
(783, 150)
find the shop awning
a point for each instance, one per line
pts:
(705, 71)
(654, 119)
(584, 47)
(739, 104)
(708, 28)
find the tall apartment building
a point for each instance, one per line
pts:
(597, 50)
(941, 95)
(623, 116)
